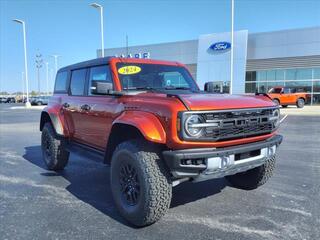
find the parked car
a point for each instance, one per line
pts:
(3, 99)
(10, 100)
(41, 100)
(151, 123)
(288, 96)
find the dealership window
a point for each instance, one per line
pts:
(301, 79)
(316, 73)
(316, 86)
(251, 76)
(271, 75)
(261, 75)
(280, 74)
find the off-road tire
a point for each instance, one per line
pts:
(255, 177)
(300, 103)
(53, 151)
(276, 101)
(284, 106)
(155, 187)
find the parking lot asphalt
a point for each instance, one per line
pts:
(77, 203)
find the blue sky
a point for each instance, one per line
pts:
(71, 28)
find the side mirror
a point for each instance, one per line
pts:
(209, 87)
(99, 87)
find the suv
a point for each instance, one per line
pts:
(287, 96)
(40, 100)
(151, 123)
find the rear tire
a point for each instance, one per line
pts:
(255, 177)
(300, 103)
(276, 101)
(54, 154)
(140, 183)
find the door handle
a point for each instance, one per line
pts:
(66, 105)
(85, 107)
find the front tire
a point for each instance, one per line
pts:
(276, 101)
(255, 177)
(300, 103)
(284, 106)
(140, 182)
(54, 154)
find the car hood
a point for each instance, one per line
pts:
(224, 101)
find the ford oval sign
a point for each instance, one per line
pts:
(220, 46)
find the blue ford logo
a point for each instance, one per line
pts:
(220, 46)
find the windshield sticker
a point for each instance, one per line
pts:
(127, 70)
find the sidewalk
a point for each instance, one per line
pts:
(32, 107)
(306, 111)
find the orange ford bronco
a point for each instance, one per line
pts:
(151, 123)
(287, 96)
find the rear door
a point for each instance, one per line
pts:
(72, 105)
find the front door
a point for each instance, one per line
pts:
(98, 111)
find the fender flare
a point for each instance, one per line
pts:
(54, 119)
(147, 123)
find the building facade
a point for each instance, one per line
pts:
(261, 60)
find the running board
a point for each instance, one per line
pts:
(85, 151)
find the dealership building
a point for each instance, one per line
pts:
(260, 60)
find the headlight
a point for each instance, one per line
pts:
(192, 125)
(275, 118)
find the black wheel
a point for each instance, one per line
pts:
(300, 103)
(140, 182)
(276, 101)
(255, 177)
(39, 103)
(54, 154)
(284, 106)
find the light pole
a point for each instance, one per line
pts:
(55, 62)
(22, 77)
(39, 62)
(25, 58)
(98, 6)
(232, 47)
(47, 77)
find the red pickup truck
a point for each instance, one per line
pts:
(150, 122)
(287, 96)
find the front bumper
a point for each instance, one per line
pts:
(206, 163)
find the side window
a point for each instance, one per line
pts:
(78, 80)
(98, 75)
(61, 82)
(286, 90)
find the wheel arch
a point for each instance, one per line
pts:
(53, 119)
(134, 125)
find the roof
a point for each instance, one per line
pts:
(92, 62)
(105, 60)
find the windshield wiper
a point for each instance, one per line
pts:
(141, 88)
(177, 88)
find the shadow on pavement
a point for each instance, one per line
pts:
(89, 182)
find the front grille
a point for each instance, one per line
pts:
(235, 124)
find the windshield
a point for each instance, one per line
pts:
(275, 90)
(142, 76)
